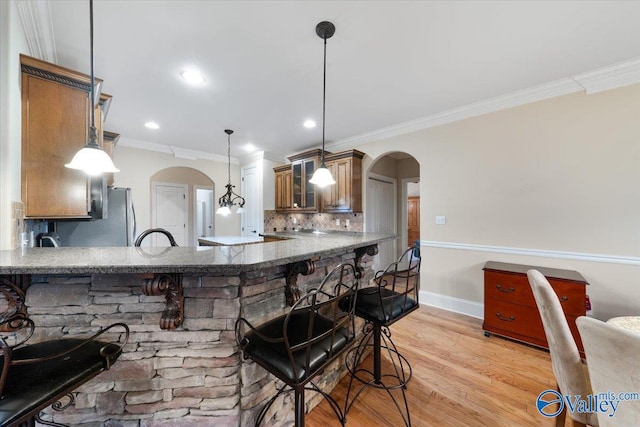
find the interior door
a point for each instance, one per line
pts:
(251, 217)
(413, 220)
(170, 212)
(204, 213)
(381, 218)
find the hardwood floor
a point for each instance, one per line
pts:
(460, 378)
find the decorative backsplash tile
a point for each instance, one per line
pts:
(276, 221)
(17, 221)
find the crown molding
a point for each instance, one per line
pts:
(35, 17)
(610, 77)
(177, 152)
(503, 102)
(605, 78)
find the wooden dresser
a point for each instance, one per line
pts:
(510, 309)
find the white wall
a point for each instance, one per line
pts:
(137, 166)
(538, 184)
(12, 43)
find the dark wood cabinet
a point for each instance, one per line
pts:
(55, 125)
(294, 193)
(346, 194)
(305, 196)
(284, 197)
(510, 309)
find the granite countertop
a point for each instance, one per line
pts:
(229, 240)
(187, 259)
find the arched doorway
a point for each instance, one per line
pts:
(182, 201)
(393, 203)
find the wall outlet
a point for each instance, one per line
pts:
(441, 220)
(347, 222)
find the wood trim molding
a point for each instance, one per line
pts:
(581, 256)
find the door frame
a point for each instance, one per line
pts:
(194, 205)
(154, 213)
(259, 193)
(404, 199)
(394, 183)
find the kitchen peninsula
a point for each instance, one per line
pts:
(182, 365)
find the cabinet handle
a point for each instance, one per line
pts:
(508, 291)
(564, 298)
(505, 319)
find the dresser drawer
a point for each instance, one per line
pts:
(505, 287)
(519, 321)
(515, 289)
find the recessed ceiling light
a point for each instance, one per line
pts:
(192, 76)
(152, 125)
(249, 147)
(309, 124)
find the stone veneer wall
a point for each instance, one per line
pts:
(194, 376)
(17, 223)
(276, 221)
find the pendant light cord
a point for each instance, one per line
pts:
(324, 97)
(93, 106)
(229, 157)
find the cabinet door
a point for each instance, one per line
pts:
(304, 193)
(338, 197)
(283, 190)
(55, 122)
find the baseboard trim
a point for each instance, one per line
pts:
(457, 305)
(613, 259)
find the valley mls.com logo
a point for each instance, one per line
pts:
(550, 403)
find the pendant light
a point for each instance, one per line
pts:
(229, 198)
(92, 158)
(322, 176)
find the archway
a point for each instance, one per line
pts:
(393, 203)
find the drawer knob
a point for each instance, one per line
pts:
(508, 291)
(564, 298)
(505, 319)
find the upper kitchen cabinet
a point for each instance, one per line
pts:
(55, 125)
(345, 196)
(284, 196)
(305, 196)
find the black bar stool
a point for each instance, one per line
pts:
(394, 295)
(145, 233)
(35, 376)
(296, 347)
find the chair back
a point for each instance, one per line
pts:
(319, 327)
(565, 358)
(612, 359)
(317, 323)
(145, 233)
(399, 285)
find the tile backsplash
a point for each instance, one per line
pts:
(276, 221)
(17, 221)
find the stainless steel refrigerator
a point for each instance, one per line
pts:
(117, 229)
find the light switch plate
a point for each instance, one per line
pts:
(441, 220)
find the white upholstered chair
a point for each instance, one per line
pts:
(570, 372)
(612, 354)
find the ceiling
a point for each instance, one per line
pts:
(389, 62)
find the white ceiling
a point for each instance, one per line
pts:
(389, 62)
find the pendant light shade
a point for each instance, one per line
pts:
(229, 198)
(92, 159)
(322, 176)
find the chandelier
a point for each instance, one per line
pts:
(229, 198)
